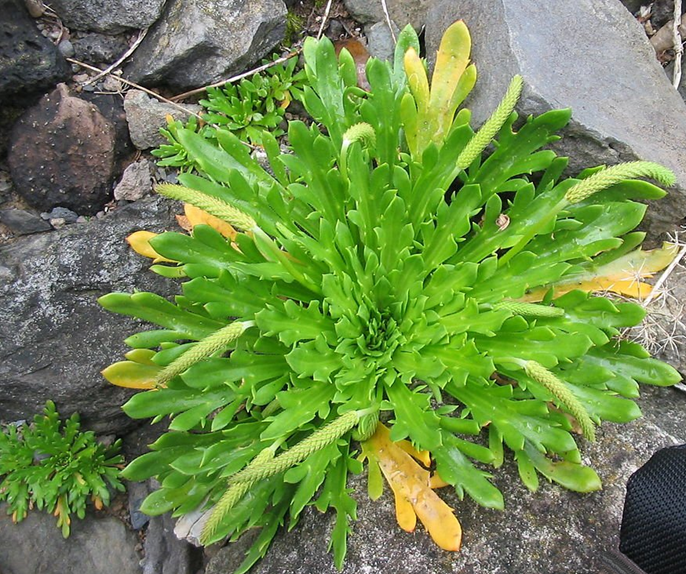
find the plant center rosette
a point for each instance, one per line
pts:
(392, 263)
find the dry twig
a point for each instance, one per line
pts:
(131, 50)
(678, 46)
(388, 20)
(236, 78)
(138, 87)
(324, 19)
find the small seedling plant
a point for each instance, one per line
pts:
(401, 290)
(53, 465)
(247, 109)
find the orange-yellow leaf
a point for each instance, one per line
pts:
(621, 276)
(413, 495)
(140, 243)
(183, 222)
(404, 513)
(423, 456)
(437, 482)
(132, 375)
(197, 216)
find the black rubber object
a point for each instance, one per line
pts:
(653, 533)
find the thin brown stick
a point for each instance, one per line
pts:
(131, 50)
(138, 87)
(324, 19)
(233, 79)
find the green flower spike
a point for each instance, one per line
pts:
(613, 175)
(561, 392)
(207, 203)
(492, 125)
(217, 341)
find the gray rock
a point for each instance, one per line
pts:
(54, 337)
(623, 106)
(164, 553)
(401, 12)
(553, 530)
(61, 213)
(69, 161)
(97, 545)
(22, 222)
(146, 116)
(380, 42)
(99, 49)
(110, 16)
(136, 182)
(137, 492)
(197, 42)
(29, 62)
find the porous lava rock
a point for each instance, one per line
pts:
(62, 154)
(29, 63)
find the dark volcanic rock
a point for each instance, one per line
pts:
(62, 154)
(200, 42)
(97, 545)
(109, 16)
(28, 62)
(22, 222)
(54, 337)
(99, 49)
(623, 105)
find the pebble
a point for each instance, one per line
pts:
(66, 48)
(61, 213)
(58, 222)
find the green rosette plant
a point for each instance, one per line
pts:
(393, 263)
(57, 467)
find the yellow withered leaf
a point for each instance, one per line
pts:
(140, 243)
(197, 216)
(622, 276)
(132, 375)
(414, 497)
(451, 62)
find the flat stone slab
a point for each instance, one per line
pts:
(54, 337)
(97, 545)
(588, 55)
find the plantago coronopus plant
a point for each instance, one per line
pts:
(394, 263)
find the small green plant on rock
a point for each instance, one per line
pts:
(386, 267)
(247, 109)
(56, 467)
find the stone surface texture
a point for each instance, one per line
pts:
(99, 49)
(109, 16)
(22, 222)
(197, 42)
(54, 337)
(28, 62)
(613, 91)
(380, 43)
(62, 154)
(401, 12)
(146, 116)
(136, 182)
(553, 530)
(97, 545)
